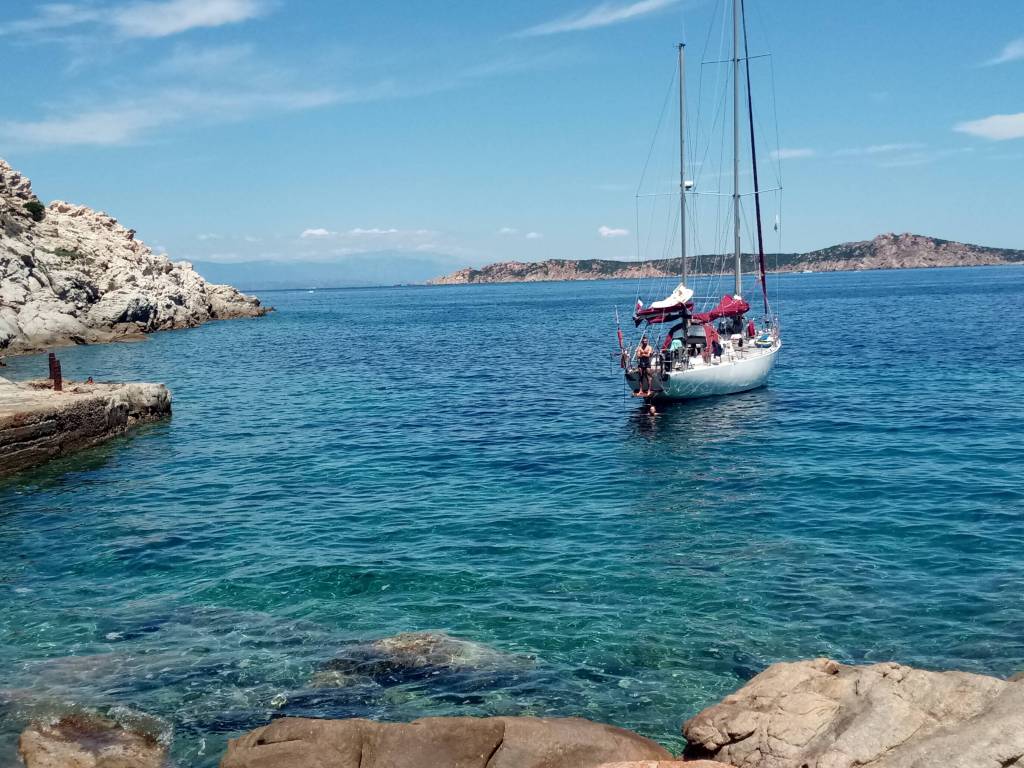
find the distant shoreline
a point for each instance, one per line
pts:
(431, 284)
(888, 251)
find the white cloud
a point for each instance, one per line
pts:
(534, 235)
(879, 149)
(373, 231)
(317, 232)
(791, 154)
(602, 15)
(1013, 51)
(208, 236)
(995, 127)
(508, 231)
(604, 231)
(158, 18)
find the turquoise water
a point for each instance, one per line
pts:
(333, 473)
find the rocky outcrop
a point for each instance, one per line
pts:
(888, 251)
(412, 656)
(821, 714)
(38, 424)
(88, 741)
(448, 742)
(69, 274)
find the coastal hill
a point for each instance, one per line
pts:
(888, 251)
(69, 274)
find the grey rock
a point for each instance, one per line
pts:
(821, 714)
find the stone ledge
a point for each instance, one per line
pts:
(38, 424)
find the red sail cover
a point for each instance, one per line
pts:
(654, 315)
(729, 306)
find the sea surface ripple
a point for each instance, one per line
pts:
(366, 462)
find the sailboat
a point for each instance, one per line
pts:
(720, 350)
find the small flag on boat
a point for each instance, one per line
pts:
(639, 305)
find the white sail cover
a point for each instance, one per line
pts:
(679, 296)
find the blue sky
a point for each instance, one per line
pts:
(470, 132)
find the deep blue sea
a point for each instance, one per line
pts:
(366, 462)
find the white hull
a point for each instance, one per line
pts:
(737, 371)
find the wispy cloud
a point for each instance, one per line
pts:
(879, 149)
(508, 231)
(194, 87)
(1013, 51)
(994, 127)
(602, 15)
(373, 231)
(159, 18)
(605, 231)
(792, 154)
(534, 235)
(315, 232)
(129, 121)
(921, 157)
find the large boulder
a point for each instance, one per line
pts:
(89, 741)
(439, 742)
(821, 714)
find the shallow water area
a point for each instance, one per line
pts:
(368, 462)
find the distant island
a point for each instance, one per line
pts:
(888, 251)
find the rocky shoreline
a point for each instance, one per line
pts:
(888, 251)
(72, 275)
(806, 714)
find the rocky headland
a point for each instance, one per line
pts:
(888, 251)
(72, 275)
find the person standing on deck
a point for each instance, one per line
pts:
(644, 353)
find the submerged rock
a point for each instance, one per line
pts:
(412, 656)
(436, 742)
(71, 275)
(88, 741)
(821, 714)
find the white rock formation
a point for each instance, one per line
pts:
(821, 714)
(77, 276)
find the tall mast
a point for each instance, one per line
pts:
(753, 161)
(736, 143)
(682, 157)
